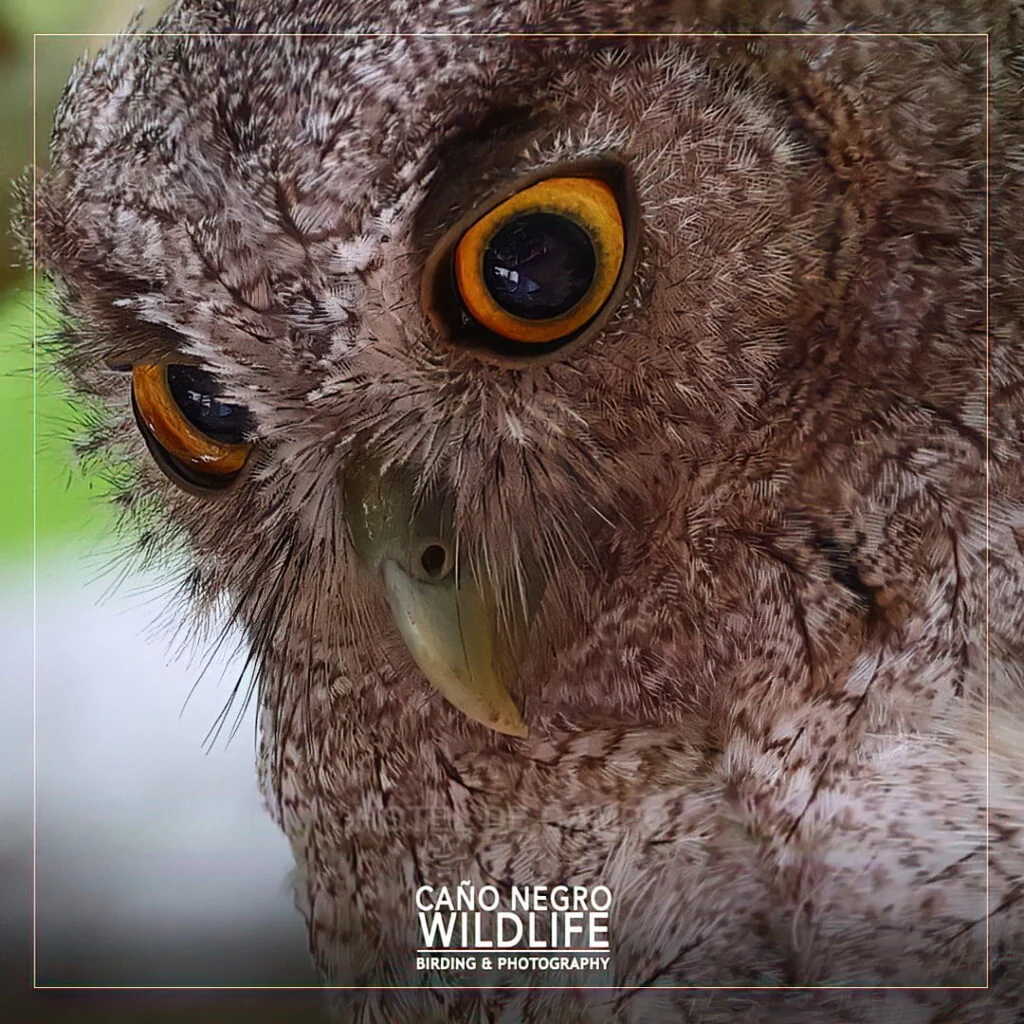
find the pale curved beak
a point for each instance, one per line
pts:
(446, 616)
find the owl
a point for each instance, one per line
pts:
(606, 424)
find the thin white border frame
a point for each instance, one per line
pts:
(986, 404)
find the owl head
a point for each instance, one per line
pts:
(420, 328)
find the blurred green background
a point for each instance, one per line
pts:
(69, 506)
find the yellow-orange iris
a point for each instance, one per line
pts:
(590, 204)
(188, 446)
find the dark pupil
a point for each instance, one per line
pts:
(539, 265)
(195, 391)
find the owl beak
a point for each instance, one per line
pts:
(446, 616)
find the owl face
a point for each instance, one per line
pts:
(410, 335)
(590, 432)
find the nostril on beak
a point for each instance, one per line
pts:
(434, 560)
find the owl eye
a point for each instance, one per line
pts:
(196, 437)
(539, 266)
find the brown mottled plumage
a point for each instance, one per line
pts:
(758, 495)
